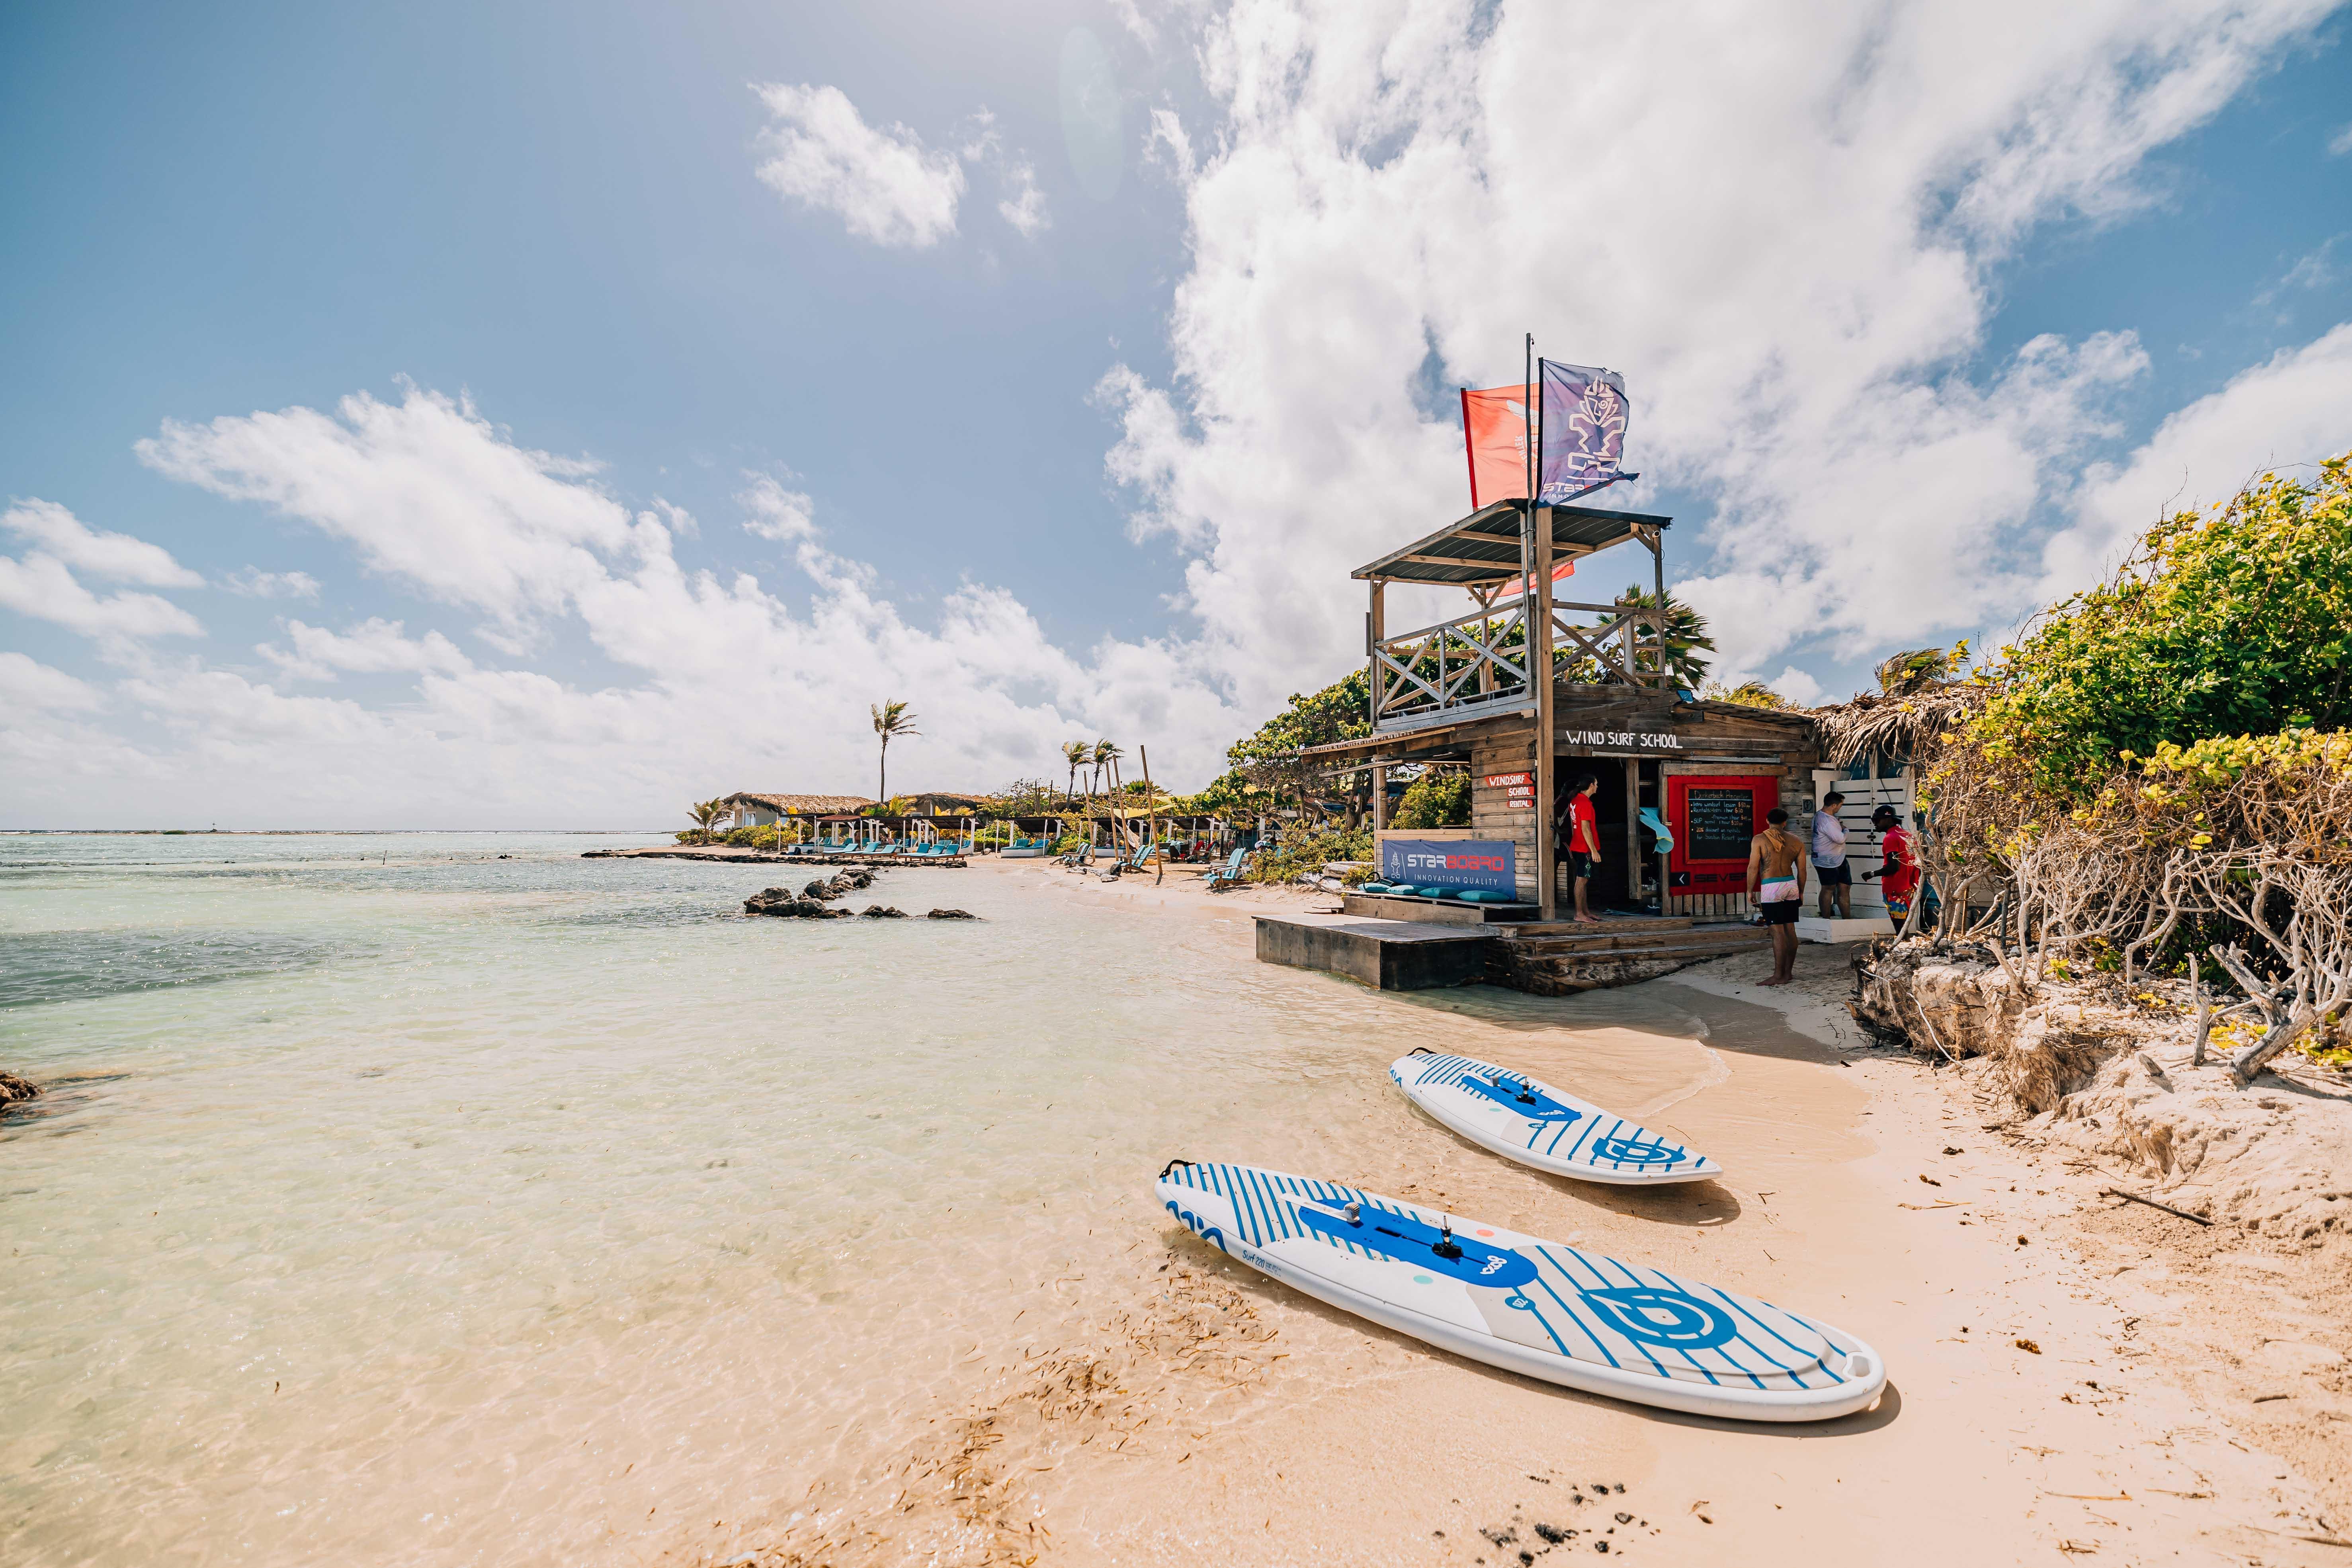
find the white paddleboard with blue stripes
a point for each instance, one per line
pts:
(1524, 1119)
(1543, 1309)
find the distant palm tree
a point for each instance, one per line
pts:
(705, 813)
(1106, 757)
(1915, 669)
(1076, 753)
(890, 719)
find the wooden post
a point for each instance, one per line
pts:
(1540, 675)
(1665, 676)
(1379, 796)
(1375, 634)
(1633, 831)
(1151, 804)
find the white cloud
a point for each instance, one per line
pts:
(28, 685)
(2293, 409)
(2340, 144)
(1797, 687)
(40, 586)
(1798, 308)
(59, 534)
(374, 646)
(884, 183)
(255, 584)
(777, 513)
(1024, 205)
(424, 488)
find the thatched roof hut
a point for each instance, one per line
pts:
(1907, 727)
(795, 805)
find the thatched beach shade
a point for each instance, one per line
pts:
(1909, 727)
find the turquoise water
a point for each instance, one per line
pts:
(395, 1200)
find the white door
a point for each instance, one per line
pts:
(1864, 796)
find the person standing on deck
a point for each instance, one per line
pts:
(1830, 868)
(1901, 869)
(1776, 883)
(1583, 840)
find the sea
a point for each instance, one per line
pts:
(457, 1199)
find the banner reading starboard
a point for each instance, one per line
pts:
(1463, 863)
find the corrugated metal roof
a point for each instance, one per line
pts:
(1484, 547)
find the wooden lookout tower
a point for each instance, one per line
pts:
(1459, 691)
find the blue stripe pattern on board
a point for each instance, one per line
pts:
(1601, 1140)
(1591, 1308)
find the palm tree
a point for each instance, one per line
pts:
(1915, 669)
(705, 813)
(1076, 753)
(1685, 634)
(890, 719)
(1107, 756)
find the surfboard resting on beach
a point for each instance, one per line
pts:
(1522, 1119)
(1542, 1309)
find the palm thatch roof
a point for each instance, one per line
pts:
(1908, 726)
(797, 805)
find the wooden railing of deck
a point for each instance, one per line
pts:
(1456, 667)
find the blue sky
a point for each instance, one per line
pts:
(1921, 311)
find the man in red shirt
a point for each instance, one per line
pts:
(1900, 874)
(1583, 850)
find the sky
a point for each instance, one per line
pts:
(545, 416)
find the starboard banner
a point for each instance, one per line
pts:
(1583, 428)
(1465, 863)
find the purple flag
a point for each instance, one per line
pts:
(1584, 411)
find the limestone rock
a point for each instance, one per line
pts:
(951, 915)
(14, 1088)
(884, 912)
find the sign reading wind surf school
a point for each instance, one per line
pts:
(1465, 863)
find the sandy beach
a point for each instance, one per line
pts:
(2072, 1377)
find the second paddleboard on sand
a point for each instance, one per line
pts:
(1525, 1119)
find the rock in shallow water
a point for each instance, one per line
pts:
(884, 912)
(951, 915)
(14, 1088)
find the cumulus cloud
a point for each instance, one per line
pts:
(27, 685)
(1396, 193)
(776, 513)
(255, 584)
(63, 537)
(42, 587)
(2293, 409)
(2340, 144)
(425, 490)
(1024, 205)
(882, 181)
(374, 646)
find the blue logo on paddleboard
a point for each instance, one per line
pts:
(1635, 1151)
(1521, 1098)
(1653, 1315)
(1199, 1226)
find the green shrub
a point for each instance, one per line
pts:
(1435, 800)
(1308, 849)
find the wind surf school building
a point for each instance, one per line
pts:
(1683, 784)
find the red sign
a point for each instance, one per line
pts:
(1510, 781)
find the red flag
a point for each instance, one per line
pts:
(1495, 433)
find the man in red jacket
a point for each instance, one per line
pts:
(1900, 875)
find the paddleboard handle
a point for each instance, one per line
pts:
(1421, 1051)
(1173, 1163)
(1352, 1213)
(1446, 1247)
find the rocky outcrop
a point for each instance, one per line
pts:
(785, 902)
(883, 913)
(1954, 1000)
(14, 1088)
(951, 915)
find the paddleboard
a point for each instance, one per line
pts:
(1523, 1118)
(1543, 1309)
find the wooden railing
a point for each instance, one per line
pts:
(1453, 669)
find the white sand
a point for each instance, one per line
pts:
(1218, 1417)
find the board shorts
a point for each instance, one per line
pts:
(1898, 906)
(1579, 865)
(1782, 913)
(1838, 875)
(1778, 900)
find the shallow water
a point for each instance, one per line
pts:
(396, 1199)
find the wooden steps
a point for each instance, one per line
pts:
(1559, 957)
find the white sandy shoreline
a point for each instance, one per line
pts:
(2056, 1392)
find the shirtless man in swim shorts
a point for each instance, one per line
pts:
(1776, 882)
